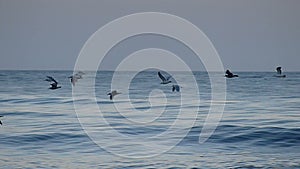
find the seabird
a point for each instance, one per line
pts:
(54, 84)
(278, 69)
(112, 94)
(163, 79)
(176, 88)
(0, 120)
(229, 74)
(74, 78)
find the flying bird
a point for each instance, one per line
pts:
(278, 69)
(112, 94)
(176, 88)
(53, 83)
(229, 74)
(74, 78)
(163, 79)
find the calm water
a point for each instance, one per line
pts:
(260, 127)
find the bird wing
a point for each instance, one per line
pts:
(80, 73)
(77, 76)
(278, 70)
(161, 77)
(48, 80)
(114, 92)
(169, 77)
(51, 79)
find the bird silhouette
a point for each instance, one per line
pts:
(53, 83)
(112, 94)
(163, 79)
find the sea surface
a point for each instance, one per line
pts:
(260, 125)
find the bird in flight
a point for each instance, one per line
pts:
(278, 69)
(74, 78)
(53, 83)
(112, 94)
(229, 74)
(163, 79)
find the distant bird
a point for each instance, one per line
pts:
(176, 87)
(229, 74)
(54, 84)
(163, 79)
(112, 94)
(0, 120)
(278, 69)
(74, 78)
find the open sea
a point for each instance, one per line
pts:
(260, 125)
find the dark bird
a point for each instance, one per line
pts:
(229, 74)
(74, 78)
(112, 94)
(163, 79)
(278, 69)
(53, 83)
(176, 88)
(0, 120)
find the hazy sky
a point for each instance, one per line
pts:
(249, 35)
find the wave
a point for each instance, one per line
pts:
(24, 139)
(254, 136)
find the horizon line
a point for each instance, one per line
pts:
(142, 70)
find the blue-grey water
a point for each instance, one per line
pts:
(260, 127)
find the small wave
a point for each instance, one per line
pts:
(37, 138)
(12, 100)
(267, 136)
(256, 136)
(252, 77)
(31, 114)
(105, 102)
(224, 101)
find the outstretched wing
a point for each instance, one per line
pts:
(278, 69)
(51, 79)
(48, 80)
(161, 77)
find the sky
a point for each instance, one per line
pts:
(249, 35)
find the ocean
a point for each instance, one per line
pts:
(259, 128)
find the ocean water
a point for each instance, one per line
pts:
(260, 125)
